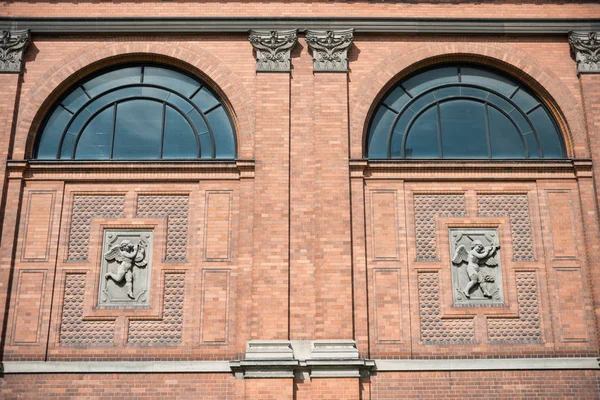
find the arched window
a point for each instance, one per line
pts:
(462, 111)
(138, 112)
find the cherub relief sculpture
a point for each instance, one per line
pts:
(127, 255)
(476, 257)
(476, 272)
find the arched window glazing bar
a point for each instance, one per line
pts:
(462, 112)
(138, 112)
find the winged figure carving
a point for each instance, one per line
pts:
(127, 255)
(477, 257)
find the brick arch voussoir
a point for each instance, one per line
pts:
(45, 91)
(516, 62)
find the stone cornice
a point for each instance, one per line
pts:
(130, 170)
(183, 25)
(272, 49)
(585, 47)
(330, 49)
(519, 170)
(12, 47)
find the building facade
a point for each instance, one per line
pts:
(300, 200)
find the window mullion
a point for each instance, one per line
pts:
(162, 132)
(487, 130)
(439, 130)
(114, 132)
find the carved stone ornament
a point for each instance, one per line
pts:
(330, 49)
(273, 49)
(12, 46)
(476, 272)
(585, 46)
(126, 267)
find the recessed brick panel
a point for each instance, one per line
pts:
(215, 306)
(570, 302)
(384, 225)
(560, 210)
(387, 305)
(38, 225)
(30, 294)
(217, 226)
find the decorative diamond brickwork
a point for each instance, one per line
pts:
(175, 208)
(168, 331)
(73, 330)
(516, 207)
(427, 207)
(85, 208)
(434, 329)
(527, 328)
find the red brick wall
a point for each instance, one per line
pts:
(487, 384)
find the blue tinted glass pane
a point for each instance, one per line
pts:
(109, 98)
(95, 140)
(138, 130)
(67, 146)
(113, 79)
(444, 93)
(524, 100)
(397, 99)
(175, 81)
(397, 145)
(79, 121)
(379, 131)
(422, 141)
(549, 136)
(403, 121)
(180, 141)
(500, 102)
(75, 100)
(521, 121)
(504, 137)
(204, 99)
(487, 79)
(431, 78)
(474, 92)
(205, 144)
(463, 129)
(50, 139)
(159, 94)
(182, 104)
(422, 102)
(532, 145)
(223, 131)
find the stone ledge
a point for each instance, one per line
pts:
(58, 367)
(487, 364)
(317, 368)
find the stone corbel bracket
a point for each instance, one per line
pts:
(330, 49)
(272, 49)
(585, 48)
(302, 359)
(12, 47)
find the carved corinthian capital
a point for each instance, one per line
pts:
(12, 46)
(273, 49)
(330, 49)
(585, 46)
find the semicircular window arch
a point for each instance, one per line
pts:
(462, 112)
(138, 112)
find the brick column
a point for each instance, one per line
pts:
(13, 44)
(333, 253)
(270, 283)
(303, 194)
(583, 46)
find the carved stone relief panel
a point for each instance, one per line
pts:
(476, 272)
(125, 269)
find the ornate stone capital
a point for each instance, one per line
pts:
(330, 49)
(585, 47)
(12, 46)
(273, 49)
